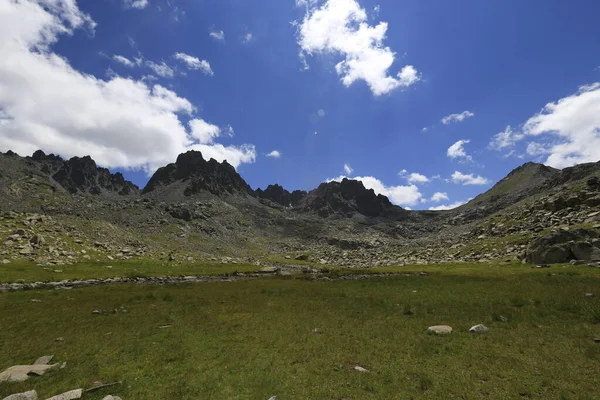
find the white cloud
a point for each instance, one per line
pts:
(537, 149)
(348, 169)
(417, 178)
(247, 38)
(120, 122)
(139, 4)
(424, 130)
(274, 154)
(399, 195)
(574, 121)
(204, 131)
(194, 63)
(447, 206)
(468, 179)
(457, 150)
(340, 27)
(506, 139)
(123, 60)
(219, 35)
(457, 117)
(161, 69)
(439, 196)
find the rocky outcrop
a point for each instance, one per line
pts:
(347, 198)
(81, 175)
(279, 195)
(197, 175)
(563, 246)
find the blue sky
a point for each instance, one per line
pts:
(418, 107)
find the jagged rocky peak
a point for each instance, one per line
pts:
(81, 175)
(198, 175)
(279, 195)
(347, 198)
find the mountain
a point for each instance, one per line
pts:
(191, 175)
(347, 198)
(203, 209)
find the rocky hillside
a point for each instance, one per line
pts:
(56, 212)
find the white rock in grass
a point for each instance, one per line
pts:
(273, 398)
(440, 329)
(479, 328)
(43, 360)
(20, 373)
(360, 369)
(109, 397)
(70, 395)
(31, 395)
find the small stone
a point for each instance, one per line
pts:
(96, 312)
(268, 269)
(288, 257)
(58, 271)
(35, 301)
(503, 318)
(317, 330)
(108, 267)
(440, 329)
(59, 339)
(31, 395)
(302, 257)
(5, 261)
(109, 397)
(597, 340)
(479, 328)
(589, 295)
(360, 369)
(164, 326)
(63, 365)
(70, 395)
(43, 360)
(273, 398)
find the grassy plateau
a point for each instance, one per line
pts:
(255, 339)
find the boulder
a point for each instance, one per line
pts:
(70, 395)
(479, 328)
(556, 247)
(20, 373)
(440, 329)
(37, 240)
(31, 395)
(44, 360)
(585, 251)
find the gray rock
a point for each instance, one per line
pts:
(268, 269)
(43, 360)
(31, 395)
(70, 395)
(5, 261)
(109, 397)
(440, 329)
(585, 251)
(360, 369)
(20, 373)
(37, 240)
(479, 328)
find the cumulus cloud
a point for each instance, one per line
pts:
(340, 27)
(457, 150)
(460, 117)
(468, 179)
(506, 139)
(414, 177)
(573, 123)
(161, 69)
(439, 196)
(120, 122)
(348, 169)
(219, 35)
(194, 63)
(247, 38)
(399, 195)
(139, 4)
(538, 149)
(274, 154)
(123, 60)
(447, 206)
(204, 131)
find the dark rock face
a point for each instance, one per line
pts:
(81, 175)
(199, 175)
(347, 198)
(279, 195)
(562, 246)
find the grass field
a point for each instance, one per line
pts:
(254, 339)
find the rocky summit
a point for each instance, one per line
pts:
(57, 212)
